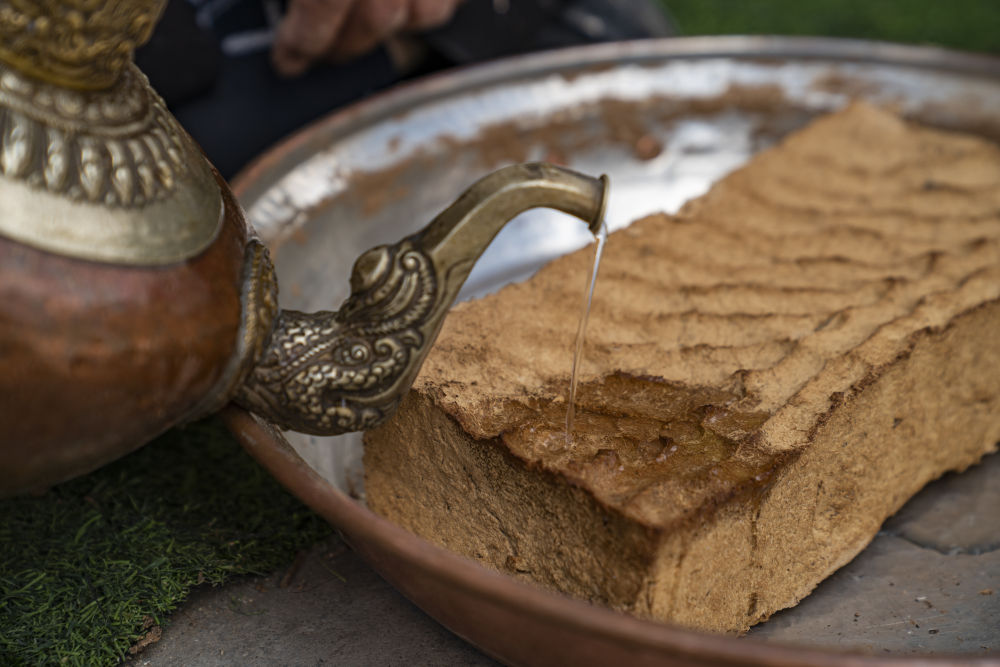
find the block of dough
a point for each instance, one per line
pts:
(767, 376)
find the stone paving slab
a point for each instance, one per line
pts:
(326, 608)
(929, 583)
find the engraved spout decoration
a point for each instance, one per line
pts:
(327, 373)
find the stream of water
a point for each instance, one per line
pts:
(601, 237)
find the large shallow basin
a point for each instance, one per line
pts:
(665, 119)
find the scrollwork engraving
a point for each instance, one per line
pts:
(328, 373)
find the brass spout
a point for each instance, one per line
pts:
(328, 373)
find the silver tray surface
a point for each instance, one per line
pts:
(383, 168)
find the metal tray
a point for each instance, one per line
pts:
(665, 119)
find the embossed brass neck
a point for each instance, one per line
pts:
(92, 165)
(82, 44)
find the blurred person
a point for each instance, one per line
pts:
(338, 30)
(242, 74)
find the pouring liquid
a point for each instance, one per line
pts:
(601, 237)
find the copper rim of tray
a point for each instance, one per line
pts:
(417, 567)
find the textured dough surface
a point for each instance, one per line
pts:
(767, 376)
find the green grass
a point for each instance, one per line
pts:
(82, 567)
(960, 24)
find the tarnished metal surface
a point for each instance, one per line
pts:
(665, 119)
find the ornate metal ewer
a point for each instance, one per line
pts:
(133, 294)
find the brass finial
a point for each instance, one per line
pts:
(82, 44)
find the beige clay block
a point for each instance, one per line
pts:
(768, 375)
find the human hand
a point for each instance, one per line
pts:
(340, 29)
